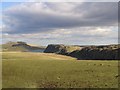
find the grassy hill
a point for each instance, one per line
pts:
(102, 52)
(44, 70)
(20, 46)
(61, 49)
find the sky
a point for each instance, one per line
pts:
(71, 23)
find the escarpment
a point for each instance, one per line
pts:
(104, 52)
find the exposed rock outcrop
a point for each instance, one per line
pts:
(61, 49)
(106, 52)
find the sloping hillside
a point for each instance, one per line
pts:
(61, 49)
(108, 52)
(103, 52)
(21, 46)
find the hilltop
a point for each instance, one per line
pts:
(21, 46)
(102, 52)
(61, 49)
(85, 52)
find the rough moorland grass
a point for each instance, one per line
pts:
(37, 70)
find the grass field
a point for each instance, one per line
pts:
(39, 70)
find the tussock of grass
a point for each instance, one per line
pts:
(35, 70)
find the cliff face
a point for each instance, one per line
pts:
(60, 49)
(108, 52)
(54, 49)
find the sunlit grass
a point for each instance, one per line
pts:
(39, 70)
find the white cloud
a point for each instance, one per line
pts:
(60, 0)
(84, 35)
(70, 23)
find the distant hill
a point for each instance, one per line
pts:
(102, 52)
(21, 46)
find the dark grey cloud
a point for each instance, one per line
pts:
(106, 13)
(43, 17)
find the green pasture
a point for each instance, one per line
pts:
(40, 70)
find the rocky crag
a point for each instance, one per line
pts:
(104, 52)
(61, 49)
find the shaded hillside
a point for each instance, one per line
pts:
(105, 52)
(21, 46)
(61, 49)
(97, 52)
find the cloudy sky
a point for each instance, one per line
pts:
(44, 23)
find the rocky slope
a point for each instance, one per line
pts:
(106, 52)
(97, 53)
(21, 46)
(61, 49)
